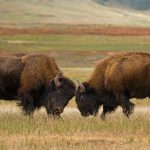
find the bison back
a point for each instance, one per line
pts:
(130, 74)
(38, 70)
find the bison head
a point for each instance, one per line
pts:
(87, 99)
(60, 90)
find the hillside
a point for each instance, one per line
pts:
(133, 4)
(30, 13)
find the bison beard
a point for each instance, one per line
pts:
(34, 80)
(115, 80)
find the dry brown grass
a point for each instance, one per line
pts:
(71, 142)
(74, 132)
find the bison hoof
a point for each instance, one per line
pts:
(128, 110)
(28, 113)
(54, 117)
(57, 117)
(102, 117)
(131, 108)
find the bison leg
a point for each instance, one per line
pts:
(126, 105)
(27, 104)
(52, 115)
(107, 109)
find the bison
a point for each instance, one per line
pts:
(35, 81)
(115, 80)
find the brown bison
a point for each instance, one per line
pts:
(115, 80)
(35, 81)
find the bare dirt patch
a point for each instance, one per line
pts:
(78, 30)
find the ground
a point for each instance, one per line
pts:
(74, 132)
(76, 49)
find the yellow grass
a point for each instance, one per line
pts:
(74, 132)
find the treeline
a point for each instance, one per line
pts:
(136, 4)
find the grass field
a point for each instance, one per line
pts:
(76, 56)
(26, 43)
(74, 132)
(77, 33)
(78, 50)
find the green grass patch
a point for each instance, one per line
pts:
(32, 43)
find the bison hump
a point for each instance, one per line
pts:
(38, 69)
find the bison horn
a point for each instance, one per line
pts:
(56, 80)
(82, 88)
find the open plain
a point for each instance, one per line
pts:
(74, 132)
(77, 34)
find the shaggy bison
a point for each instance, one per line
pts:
(115, 80)
(35, 81)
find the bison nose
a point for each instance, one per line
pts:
(59, 109)
(85, 114)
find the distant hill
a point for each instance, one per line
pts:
(134, 4)
(31, 13)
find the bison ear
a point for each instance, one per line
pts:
(88, 87)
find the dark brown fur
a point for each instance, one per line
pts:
(30, 79)
(38, 70)
(115, 80)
